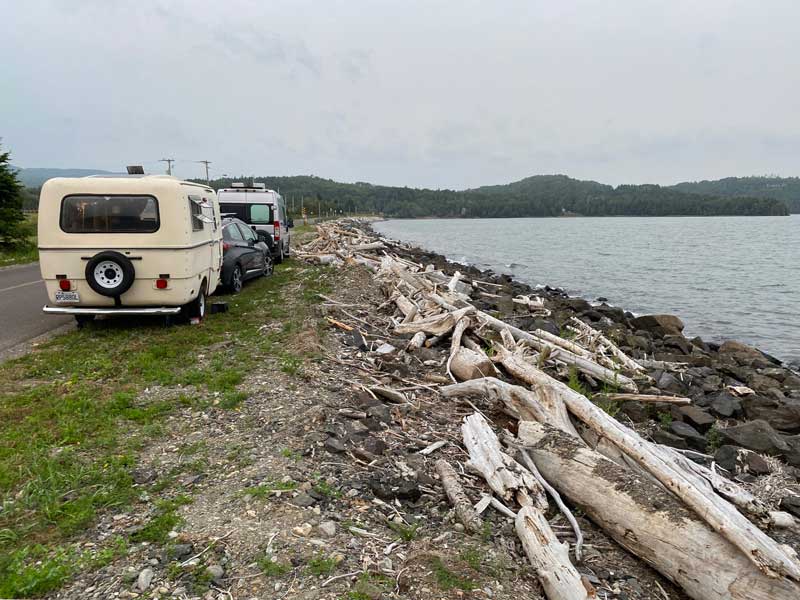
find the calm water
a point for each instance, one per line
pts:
(726, 277)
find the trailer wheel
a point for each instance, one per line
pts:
(196, 309)
(110, 273)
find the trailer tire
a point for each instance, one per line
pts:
(110, 273)
(196, 309)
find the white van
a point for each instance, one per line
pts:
(264, 210)
(128, 244)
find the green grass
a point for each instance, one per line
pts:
(575, 383)
(163, 521)
(320, 565)
(405, 532)
(272, 568)
(448, 580)
(74, 415)
(268, 487)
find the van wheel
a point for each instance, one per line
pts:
(236, 279)
(196, 309)
(279, 258)
(82, 320)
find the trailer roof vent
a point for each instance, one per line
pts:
(135, 170)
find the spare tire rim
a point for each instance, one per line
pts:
(108, 274)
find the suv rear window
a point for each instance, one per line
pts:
(255, 214)
(109, 214)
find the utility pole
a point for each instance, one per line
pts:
(206, 163)
(169, 162)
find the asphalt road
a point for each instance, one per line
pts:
(22, 296)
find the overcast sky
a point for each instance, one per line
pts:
(421, 93)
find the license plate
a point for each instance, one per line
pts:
(67, 297)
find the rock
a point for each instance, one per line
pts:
(391, 488)
(791, 381)
(144, 475)
(365, 589)
(374, 445)
(658, 324)
(725, 404)
(669, 383)
(762, 383)
(677, 342)
(334, 444)
(635, 411)
(327, 528)
(670, 439)
(734, 347)
(216, 572)
(385, 348)
(696, 417)
(130, 575)
(144, 579)
(578, 304)
(780, 413)
(181, 551)
(639, 342)
(791, 504)
(711, 383)
(303, 530)
(758, 436)
(694, 438)
(726, 457)
(547, 325)
(303, 500)
(756, 464)
(380, 412)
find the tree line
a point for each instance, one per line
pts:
(537, 196)
(786, 189)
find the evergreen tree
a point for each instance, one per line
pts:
(10, 203)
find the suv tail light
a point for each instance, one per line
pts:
(225, 246)
(277, 226)
(65, 285)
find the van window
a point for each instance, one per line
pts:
(255, 214)
(261, 213)
(109, 214)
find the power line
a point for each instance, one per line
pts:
(169, 162)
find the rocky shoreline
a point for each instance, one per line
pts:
(744, 401)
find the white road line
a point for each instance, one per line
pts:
(14, 287)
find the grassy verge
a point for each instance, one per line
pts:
(24, 253)
(74, 418)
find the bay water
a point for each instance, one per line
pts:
(726, 277)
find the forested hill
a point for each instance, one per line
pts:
(538, 196)
(786, 189)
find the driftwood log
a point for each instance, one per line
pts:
(650, 522)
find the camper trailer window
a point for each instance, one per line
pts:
(109, 214)
(197, 214)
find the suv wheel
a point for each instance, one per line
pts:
(237, 279)
(269, 268)
(279, 258)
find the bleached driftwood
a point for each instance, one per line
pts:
(650, 522)
(416, 342)
(562, 343)
(509, 480)
(723, 517)
(435, 324)
(581, 363)
(519, 402)
(458, 498)
(467, 364)
(455, 342)
(625, 360)
(550, 558)
(648, 398)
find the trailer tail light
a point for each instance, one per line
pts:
(277, 226)
(65, 285)
(161, 284)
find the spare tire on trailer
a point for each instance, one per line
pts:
(110, 273)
